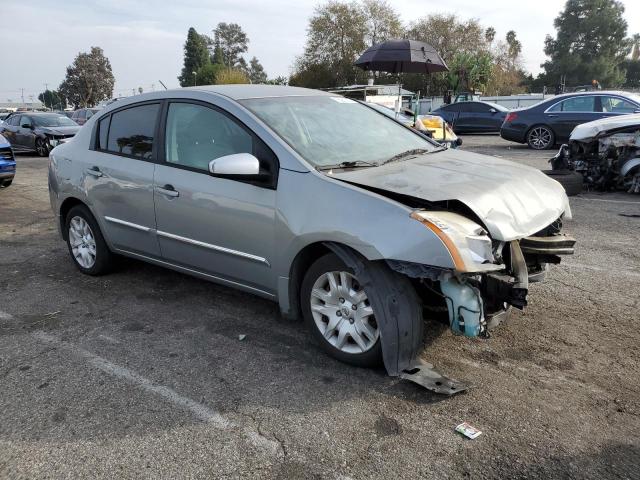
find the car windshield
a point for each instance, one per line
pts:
(327, 130)
(53, 120)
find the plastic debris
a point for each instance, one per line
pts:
(241, 337)
(468, 431)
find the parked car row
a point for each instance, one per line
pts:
(38, 132)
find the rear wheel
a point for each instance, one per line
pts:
(6, 183)
(541, 137)
(570, 180)
(86, 244)
(42, 147)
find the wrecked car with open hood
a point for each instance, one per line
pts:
(281, 192)
(605, 152)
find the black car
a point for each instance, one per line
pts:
(473, 117)
(551, 121)
(37, 132)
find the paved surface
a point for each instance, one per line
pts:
(142, 374)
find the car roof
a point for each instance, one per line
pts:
(243, 92)
(591, 92)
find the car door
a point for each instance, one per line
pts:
(487, 118)
(10, 129)
(25, 135)
(564, 116)
(612, 106)
(215, 225)
(117, 175)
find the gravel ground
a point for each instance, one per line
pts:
(142, 374)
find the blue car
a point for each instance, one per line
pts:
(7, 163)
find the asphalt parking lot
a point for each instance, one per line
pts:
(142, 373)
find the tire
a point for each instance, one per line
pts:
(570, 180)
(42, 147)
(92, 256)
(541, 137)
(371, 355)
(6, 183)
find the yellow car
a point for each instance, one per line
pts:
(433, 125)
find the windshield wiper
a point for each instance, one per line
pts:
(408, 153)
(356, 163)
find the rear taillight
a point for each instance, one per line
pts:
(511, 116)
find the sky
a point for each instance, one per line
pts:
(144, 39)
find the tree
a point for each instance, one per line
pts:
(590, 43)
(450, 37)
(635, 53)
(381, 21)
(232, 41)
(280, 80)
(89, 79)
(490, 34)
(256, 72)
(231, 75)
(196, 56)
(52, 99)
(208, 74)
(515, 47)
(335, 38)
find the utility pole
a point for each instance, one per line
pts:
(22, 95)
(44, 96)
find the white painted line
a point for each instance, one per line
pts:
(200, 411)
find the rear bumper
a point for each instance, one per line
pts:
(512, 134)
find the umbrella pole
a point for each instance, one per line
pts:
(399, 94)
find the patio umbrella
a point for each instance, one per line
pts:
(402, 56)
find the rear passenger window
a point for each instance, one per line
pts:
(103, 130)
(132, 130)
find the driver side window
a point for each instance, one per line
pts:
(196, 134)
(24, 120)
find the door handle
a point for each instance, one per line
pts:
(168, 190)
(551, 116)
(95, 171)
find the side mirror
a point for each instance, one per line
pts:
(27, 125)
(240, 164)
(493, 110)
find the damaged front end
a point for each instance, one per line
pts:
(490, 276)
(610, 160)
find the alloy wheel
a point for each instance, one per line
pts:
(82, 241)
(342, 313)
(42, 148)
(540, 138)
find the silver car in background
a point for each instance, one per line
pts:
(343, 216)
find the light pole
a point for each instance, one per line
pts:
(195, 74)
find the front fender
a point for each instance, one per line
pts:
(312, 208)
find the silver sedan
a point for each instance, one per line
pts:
(340, 214)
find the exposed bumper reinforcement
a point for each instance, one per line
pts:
(425, 375)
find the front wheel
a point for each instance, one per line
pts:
(541, 138)
(336, 308)
(6, 183)
(42, 147)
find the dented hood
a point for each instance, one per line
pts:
(512, 200)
